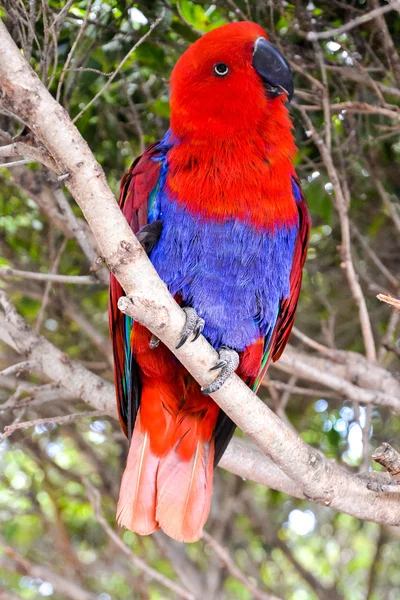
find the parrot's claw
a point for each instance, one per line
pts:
(154, 342)
(194, 325)
(228, 363)
(149, 235)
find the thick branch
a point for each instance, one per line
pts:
(53, 363)
(36, 154)
(319, 371)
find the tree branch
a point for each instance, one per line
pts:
(35, 154)
(58, 420)
(389, 300)
(95, 500)
(6, 272)
(53, 363)
(224, 555)
(365, 18)
(389, 458)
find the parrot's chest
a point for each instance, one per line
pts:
(233, 276)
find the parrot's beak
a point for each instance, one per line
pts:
(273, 69)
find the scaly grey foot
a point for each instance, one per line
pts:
(228, 363)
(194, 325)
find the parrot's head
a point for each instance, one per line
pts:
(228, 82)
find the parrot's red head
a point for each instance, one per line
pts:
(228, 82)
(233, 137)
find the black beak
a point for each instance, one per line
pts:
(273, 69)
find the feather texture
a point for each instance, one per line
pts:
(137, 499)
(184, 492)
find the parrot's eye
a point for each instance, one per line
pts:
(221, 69)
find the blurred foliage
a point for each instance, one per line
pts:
(290, 546)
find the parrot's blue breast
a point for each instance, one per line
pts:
(233, 276)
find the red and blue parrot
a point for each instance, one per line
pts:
(218, 208)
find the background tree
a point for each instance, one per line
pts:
(337, 384)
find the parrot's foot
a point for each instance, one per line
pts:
(154, 342)
(194, 325)
(228, 363)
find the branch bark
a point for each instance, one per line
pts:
(52, 362)
(389, 458)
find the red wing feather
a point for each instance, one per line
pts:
(136, 188)
(288, 307)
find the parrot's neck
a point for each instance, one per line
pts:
(243, 175)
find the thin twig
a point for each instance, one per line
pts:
(94, 497)
(49, 283)
(347, 258)
(7, 272)
(17, 163)
(234, 570)
(121, 64)
(389, 300)
(365, 18)
(9, 430)
(71, 52)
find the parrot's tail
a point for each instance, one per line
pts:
(136, 509)
(184, 490)
(171, 491)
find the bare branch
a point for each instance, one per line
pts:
(94, 498)
(342, 208)
(53, 363)
(71, 52)
(16, 163)
(9, 430)
(35, 154)
(234, 570)
(61, 584)
(121, 64)
(292, 363)
(389, 300)
(7, 272)
(389, 458)
(365, 18)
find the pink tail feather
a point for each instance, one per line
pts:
(137, 499)
(168, 491)
(184, 490)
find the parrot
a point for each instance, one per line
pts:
(218, 208)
